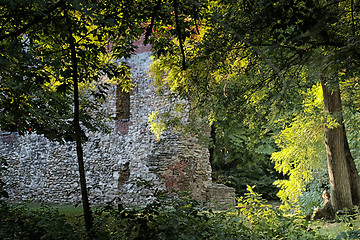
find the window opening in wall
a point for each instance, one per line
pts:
(122, 104)
(122, 110)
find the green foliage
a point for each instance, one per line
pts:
(302, 148)
(312, 197)
(250, 61)
(37, 68)
(348, 229)
(350, 91)
(267, 222)
(18, 222)
(156, 126)
(166, 218)
(352, 234)
(242, 156)
(185, 218)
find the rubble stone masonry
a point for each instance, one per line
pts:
(125, 165)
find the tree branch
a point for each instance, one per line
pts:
(149, 28)
(178, 29)
(37, 19)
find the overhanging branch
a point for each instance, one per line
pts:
(37, 19)
(178, 29)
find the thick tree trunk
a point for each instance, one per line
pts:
(353, 173)
(344, 182)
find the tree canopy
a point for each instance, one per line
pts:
(252, 62)
(36, 62)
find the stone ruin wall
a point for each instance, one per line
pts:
(115, 162)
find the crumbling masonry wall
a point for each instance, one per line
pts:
(125, 165)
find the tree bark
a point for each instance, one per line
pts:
(353, 173)
(341, 167)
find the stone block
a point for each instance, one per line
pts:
(220, 196)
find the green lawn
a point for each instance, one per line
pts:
(67, 209)
(73, 213)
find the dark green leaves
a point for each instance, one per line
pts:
(36, 67)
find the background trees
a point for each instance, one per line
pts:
(251, 59)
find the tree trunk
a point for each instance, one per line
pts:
(212, 144)
(79, 151)
(353, 173)
(343, 182)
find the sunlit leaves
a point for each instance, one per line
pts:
(156, 125)
(302, 147)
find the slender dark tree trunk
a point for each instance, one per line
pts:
(79, 150)
(344, 181)
(212, 147)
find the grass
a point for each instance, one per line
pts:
(333, 229)
(73, 213)
(67, 209)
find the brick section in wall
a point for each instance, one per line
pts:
(180, 176)
(141, 48)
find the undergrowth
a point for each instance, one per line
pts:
(166, 218)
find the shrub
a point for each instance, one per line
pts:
(312, 197)
(310, 200)
(185, 218)
(19, 222)
(166, 218)
(268, 222)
